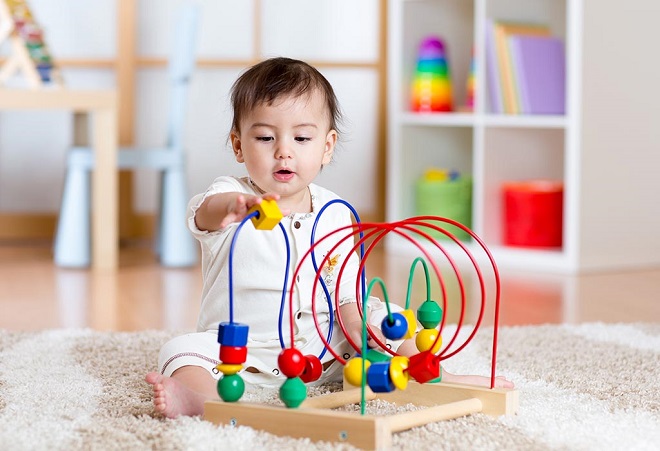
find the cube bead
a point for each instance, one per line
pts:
(269, 215)
(424, 367)
(412, 323)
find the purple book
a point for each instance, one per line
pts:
(539, 66)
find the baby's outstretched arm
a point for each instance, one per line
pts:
(219, 210)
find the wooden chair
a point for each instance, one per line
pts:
(174, 244)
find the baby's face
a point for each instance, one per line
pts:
(285, 144)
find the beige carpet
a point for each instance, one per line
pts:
(591, 386)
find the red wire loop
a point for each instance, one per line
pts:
(373, 234)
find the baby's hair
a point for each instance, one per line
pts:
(278, 77)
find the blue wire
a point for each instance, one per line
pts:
(231, 263)
(231, 273)
(286, 281)
(316, 268)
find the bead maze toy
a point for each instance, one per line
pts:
(369, 374)
(29, 53)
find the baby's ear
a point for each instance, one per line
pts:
(236, 146)
(330, 143)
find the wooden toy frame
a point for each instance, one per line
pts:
(19, 59)
(315, 421)
(313, 418)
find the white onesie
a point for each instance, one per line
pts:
(259, 263)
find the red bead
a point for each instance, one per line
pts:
(233, 354)
(291, 362)
(424, 367)
(313, 369)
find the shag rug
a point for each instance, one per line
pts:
(582, 387)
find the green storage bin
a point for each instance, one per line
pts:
(450, 199)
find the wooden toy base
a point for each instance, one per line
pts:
(313, 420)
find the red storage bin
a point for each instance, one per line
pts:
(533, 213)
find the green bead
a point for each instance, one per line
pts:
(293, 392)
(231, 387)
(375, 356)
(429, 314)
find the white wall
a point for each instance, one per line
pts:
(33, 145)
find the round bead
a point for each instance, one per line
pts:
(233, 354)
(313, 369)
(353, 371)
(291, 362)
(395, 327)
(293, 392)
(425, 339)
(231, 387)
(398, 373)
(429, 314)
(228, 368)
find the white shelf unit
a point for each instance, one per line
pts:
(605, 148)
(491, 148)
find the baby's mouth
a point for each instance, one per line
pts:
(284, 175)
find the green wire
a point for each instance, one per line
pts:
(363, 385)
(410, 280)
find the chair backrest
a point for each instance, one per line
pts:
(180, 67)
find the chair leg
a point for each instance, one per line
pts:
(177, 247)
(72, 240)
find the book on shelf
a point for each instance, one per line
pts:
(539, 67)
(502, 82)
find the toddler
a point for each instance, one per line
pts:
(284, 131)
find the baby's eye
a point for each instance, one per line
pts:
(264, 138)
(302, 139)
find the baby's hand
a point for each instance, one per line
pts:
(354, 330)
(238, 209)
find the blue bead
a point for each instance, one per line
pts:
(394, 328)
(233, 334)
(378, 377)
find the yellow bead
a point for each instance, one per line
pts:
(353, 371)
(398, 373)
(269, 215)
(228, 368)
(412, 323)
(425, 339)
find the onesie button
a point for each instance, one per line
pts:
(296, 224)
(299, 315)
(276, 372)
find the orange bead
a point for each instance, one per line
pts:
(353, 371)
(425, 339)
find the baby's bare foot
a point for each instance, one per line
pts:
(172, 398)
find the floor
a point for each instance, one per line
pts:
(35, 294)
